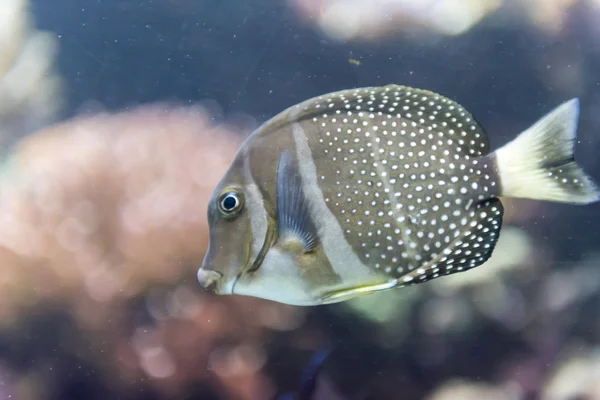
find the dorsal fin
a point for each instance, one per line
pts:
(424, 109)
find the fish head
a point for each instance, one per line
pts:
(249, 252)
(242, 256)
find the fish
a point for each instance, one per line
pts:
(369, 189)
(308, 384)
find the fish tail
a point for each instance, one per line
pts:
(540, 164)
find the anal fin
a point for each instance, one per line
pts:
(471, 248)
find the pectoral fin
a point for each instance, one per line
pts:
(296, 230)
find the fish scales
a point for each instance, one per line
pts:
(395, 168)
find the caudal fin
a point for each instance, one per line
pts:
(539, 164)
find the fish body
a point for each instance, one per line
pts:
(374, 188)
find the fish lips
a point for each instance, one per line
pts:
(209, 279)
(213, 281)
(216, 281)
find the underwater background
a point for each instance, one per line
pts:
(119, 117)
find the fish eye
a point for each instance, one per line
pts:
(230, 202)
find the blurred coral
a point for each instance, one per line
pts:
(371, 20)
(360, 19)
(98, 210)
(110, 203)
(458, 390)
(549, 16)
(578, 377)
(29, 88)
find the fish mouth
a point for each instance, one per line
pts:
(209, 279)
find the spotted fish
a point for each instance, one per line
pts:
(375, 188)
